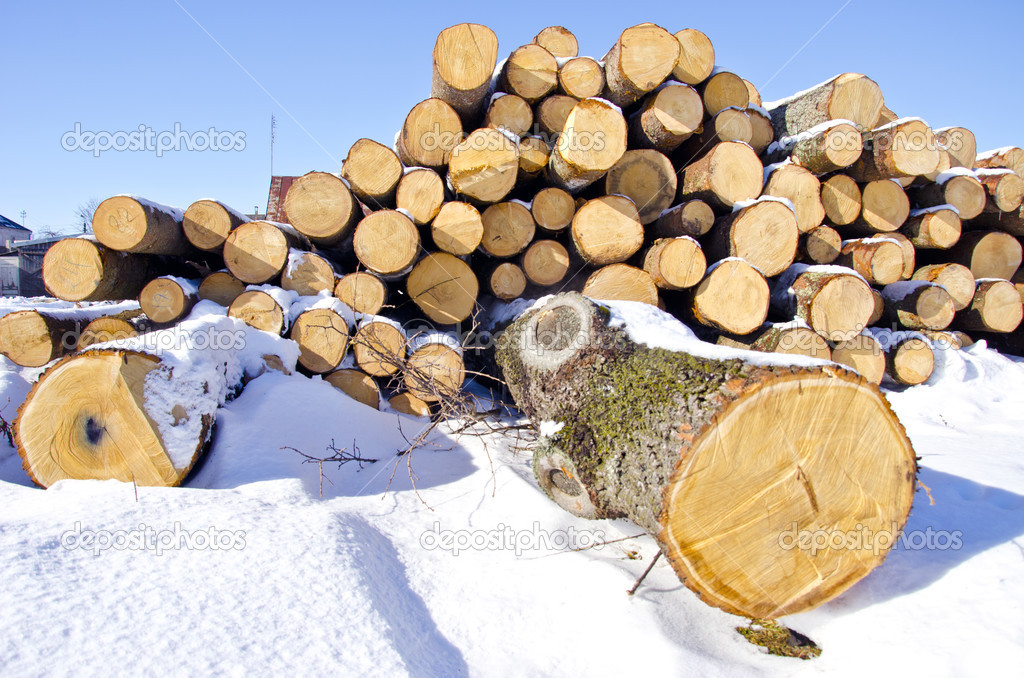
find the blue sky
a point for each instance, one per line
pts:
(333, 72)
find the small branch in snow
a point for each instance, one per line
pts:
(339, 456)
(644, 575)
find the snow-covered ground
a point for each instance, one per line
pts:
(249, 571)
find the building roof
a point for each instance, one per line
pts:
(275, 202)
(7, 223)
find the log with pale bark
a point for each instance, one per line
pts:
(936, 228)
(207, 223)
(802, 189)
(362, 292)
(308, 274)
(791, 338)
(484, 167)
(168, 299)
(530, 72)
(257, 251)
(510, 112)
(878, 260)
(508, 229)
(372, 171)
(420, 193)
(996, 307)
(622, 282)
(956, 279)
(733, 297)
(862, 353)
(696, 57)
(834, 302)
(464, 58)
(694, 476)
(764, 234)
(693, 218)
(558, 40)
(646, 177)
(444, 287)
(849, 96)
(675, 263)
(1004, 189)
(428, 135)
(357, 385)
(909, 360)
(130, 224)
(905, 148)
(81, 269)
(581, 78)
(670, 115)
(1009, 157)
(829, 147)
(640, 60)
(321, 207)
(386, 243)
(907, 249)
(607, 230)
(959, 144)
(841, 199)
(731, 172)
(593, 140)
(962, 191)
(918, 305)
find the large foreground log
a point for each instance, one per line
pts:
(727, 464)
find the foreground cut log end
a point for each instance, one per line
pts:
(746, 473)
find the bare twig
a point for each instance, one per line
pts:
(339, 456)
(644, 575)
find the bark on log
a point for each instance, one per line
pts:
(308, 274)
(694, 476)
(956, 279)
(484, 167)
(936, 228)
(996, 307)
(647, 178)
(850, 96)
(905, 148)
(764, 234)
(372, 171)
(696, 57)
(553, 209)
(581, 78)
(508, 229)
(1004, 188)
(640, 60)
(607, 230)
(558, 40)
(128, 224)
(207, 223)
(387, 243)
(918, 305)
(733, 297)
(762, 134)
(430, 132)
(802, 189)
(420, 193)
(675, 263)
(593, 140)
(1011, 158)
(510, 112)
(256, 252)
(1009, 222)
(621, 282)
(879, 261)
(34, 338)
(693, 218)
(841, 199)
(356, 385)
(729, 173)
(444, 287)
(321, 207)
(457, 229)
(907, 249)
(670, 115)
(530, 72)
(988, 255)
(80, 269)
(827, 148)
(362, 292)
(168, 299)
(464, 58)
(221, 288)
(964, 192)
(836, 304)
(960, 145)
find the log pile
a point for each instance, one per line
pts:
(799, 226)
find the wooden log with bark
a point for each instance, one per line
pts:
(988, 254)
(820, 245)
(81, 269)
(959, 144)
(168, 299)
(221, 288)
(581, 78)
(593, 140)
(956, 279)
(878, 260)
(372, 171)
(435, 369)
(464, 58)
(961, 190)
(510, 112)
(918, 305)
(675, 263)
(670, 115)
(693, 218)
(730, 173)
(790, 338)
(905, 148)
(884, 208)
(849, 96)
(907, 249)
(558, 40)
(32, 338)
(379, 346)
(829, 147)
(640, 60)
(508, 229)
(308, 274)
(320, 206)
(996, 307)
(933, 227)
(534, 154)
(1009, 157)
(357, 385)
(694, 476)
(723, 90)
(259, 309)
(909, 360)
(507, 281)
(207, 223)
(545, 262)
(112, 328)
(834, 302)
(552, 113)
(132, 224)
(1005, 190)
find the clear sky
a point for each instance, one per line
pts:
(332, 72)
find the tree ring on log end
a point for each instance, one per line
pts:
(557, 476)
(556, 333)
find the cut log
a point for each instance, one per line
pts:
(558, 40)
(593, 140)
(962, 191)
(670, 115)
(553, 209)
(258, 309)
(909, 361)
(545, 262)
(621, 282)
(885, 116)
(905, 148)
(837, 305)
(581, 78)
(762, 134)
(802, 189)
(722, 90)
(534, 154)
(421, 194)
(130, 224)
(696, 57)
(552, 113)
(464, 59)
(407, 403)
(372, 171)
(879, 261)
(647, 178)
(484, 167)
(884, 208)
(510, 112)
(357, 385)
(1018, 281)
(763, 233)
(996, 307)
(792, 338)
(733, 298)
(936, 228)
(110, 328)
(507, 281)
(362, 292)
(849, 96)
(728, 174)
(221, 288)
(444, 287)
(387, 243)
(508, 229)
(820, 245)
(906, 248)
(1004, 188)
(694, 476)
(953, 339)
(379, 346)
(988, 255)
(607, 230)
(308, 274)
(530, 72)
(457, 228)
(321, 207)
(841, 199)
(640, 60)
(434, 370)
(752, 94)
(959, 144)
(34, 338)
(879, 312)
(323, 337)
(826, 148)
(693, 218)
(729, 124)
(1009, 222)
(864, 354)
(257, 251)
(80, 269)
(918, 305)
(675, 263)
(206, 224)
(1010, 157)
(956, 279)
(168, 299)
(430, 132)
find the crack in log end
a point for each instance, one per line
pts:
(565, 482)
(806, 482)
(94, 431)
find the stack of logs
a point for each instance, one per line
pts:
(794, 226)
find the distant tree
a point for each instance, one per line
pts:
(84, 213)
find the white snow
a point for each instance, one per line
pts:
(934, 209)
(988, 155)
(899, 290)
(743, 204)
(473, 572)
(786, 143)
(942, 177)
(84, 310)
(323, 300)
(550, 428)
(991, 171)
(187, 286)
